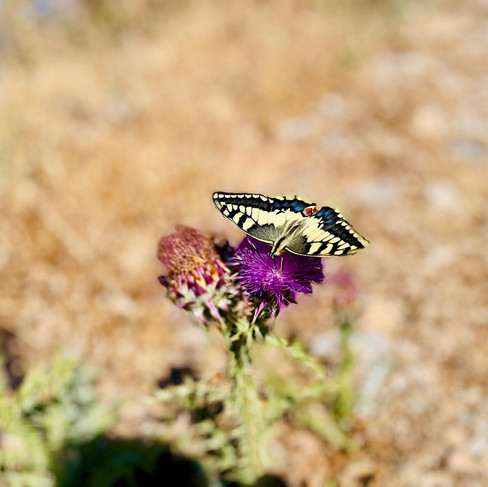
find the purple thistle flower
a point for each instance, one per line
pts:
(275, 282)
(347, 300)
(198, 279)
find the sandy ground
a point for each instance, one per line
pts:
(108, 138)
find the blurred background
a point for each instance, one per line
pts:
(119, 119)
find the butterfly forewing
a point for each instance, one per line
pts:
(290, 224)
(262, 217)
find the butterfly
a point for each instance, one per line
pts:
(290, 224)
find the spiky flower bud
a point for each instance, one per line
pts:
(198, 279)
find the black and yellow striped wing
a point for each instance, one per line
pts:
(290, 224)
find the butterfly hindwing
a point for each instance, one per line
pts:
(326, 232)
(290, 224)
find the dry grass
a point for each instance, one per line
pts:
(111, 135)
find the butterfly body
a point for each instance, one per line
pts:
(290, 224)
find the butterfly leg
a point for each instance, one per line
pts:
(274, 261)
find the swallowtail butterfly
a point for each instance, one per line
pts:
(290, 224)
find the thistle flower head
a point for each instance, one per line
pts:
(347, 296)
(198, 280)
(275, 282)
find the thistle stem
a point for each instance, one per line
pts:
(343, 408)
(245, 405)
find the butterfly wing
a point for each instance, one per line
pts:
(324, 233)
(262, 217)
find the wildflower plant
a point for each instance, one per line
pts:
(43, 423)
(241, 291)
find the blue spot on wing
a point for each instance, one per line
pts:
(327, 215)
(294, 204)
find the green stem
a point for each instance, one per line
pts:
(245, 401)
(343, 408)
